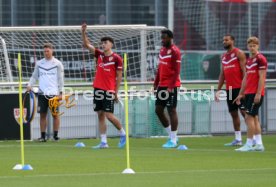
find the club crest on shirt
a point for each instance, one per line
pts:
(254, 60)
(223, 58)
(232, 55)
(169, 51)
(111, 58)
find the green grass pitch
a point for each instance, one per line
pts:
(207, 163)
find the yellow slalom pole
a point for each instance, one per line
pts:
(21, 111)
(128, 170)
(126, 109)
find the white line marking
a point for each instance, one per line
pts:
(141, 173)
(41, 145)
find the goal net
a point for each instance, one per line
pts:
(141, 44)
(201, 25)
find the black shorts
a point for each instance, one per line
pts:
(103, 100)
(166, 99)
(251, 108)
(43, 103)
(231, 96)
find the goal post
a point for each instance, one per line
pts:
(5, 69)
(140, 42)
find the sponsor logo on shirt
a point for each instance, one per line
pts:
(162, 62)
(230, 66)
(232, 55)
(101, 65)
(251, 71)
(169, 51)
(46, 73)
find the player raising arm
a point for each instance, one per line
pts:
(253, 89)
(106, 85)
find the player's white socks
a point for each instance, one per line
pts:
(254, 137)
(238, 135)
(258, 138)
(173, 136)
(103, 138)
(122, 132)
(249, 141)
(168, 130)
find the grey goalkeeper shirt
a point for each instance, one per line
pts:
(50, 75)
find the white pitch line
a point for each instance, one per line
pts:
(139, 173)
(133, 148)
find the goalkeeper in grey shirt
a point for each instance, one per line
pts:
(49, 73)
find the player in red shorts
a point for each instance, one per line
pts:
(167, 82)
(232, 72)
(253, 89)
(106, 84)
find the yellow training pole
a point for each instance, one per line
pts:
(128, 170)
(21, 166)
(21, 111)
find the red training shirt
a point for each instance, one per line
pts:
(107, 66)
(168, 72)
(253, 65)
(232, 69)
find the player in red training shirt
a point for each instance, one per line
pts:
(106, 84)
(167, 82)
(253, 89)
(232, 72)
